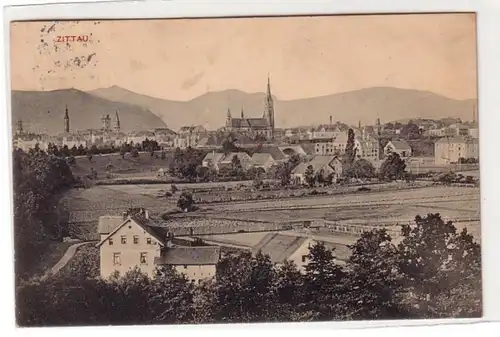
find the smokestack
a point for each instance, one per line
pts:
(331, 120)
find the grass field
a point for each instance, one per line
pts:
(142, 166)
(453, 203)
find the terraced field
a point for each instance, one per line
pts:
(461, 205)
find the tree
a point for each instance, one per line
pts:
(441, 268)
(349, 154)
(134, 152)
(310, 176)
(410, 131)
(258, 180)
(362, 168)
(373, 278)
(185, 202)
(393, 168)
(123, 150)
(324, 289)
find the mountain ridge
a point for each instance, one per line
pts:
(43, 111)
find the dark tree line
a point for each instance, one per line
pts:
(65, 151)
(39, 179)
(433, 272)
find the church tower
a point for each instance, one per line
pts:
(66, 120)
(378, 127)
(269, 107)
(117, 122)
(228, 117)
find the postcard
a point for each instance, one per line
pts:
(245, 170)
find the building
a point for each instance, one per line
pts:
(400, 147)
(189, 136)
(133, 240)
(450, 149)
(137, 137)
(263, 160)
(366, 146)
(322, 165)
(275, 152)
(253, 127)
(281, 247)
(212, 160)
(227, 161)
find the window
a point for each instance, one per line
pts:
(148, 241)
(136, 239)
(144, 258)
(124, 239)
(304, 258)
(117, 259)
(110, 241)
(185, 266)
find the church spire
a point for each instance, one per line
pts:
(66, 120)
(242, 114)
(228, 113)
(117, 121)
(269, 106)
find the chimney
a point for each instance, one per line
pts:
(124, 216)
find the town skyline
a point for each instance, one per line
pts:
(296, 48)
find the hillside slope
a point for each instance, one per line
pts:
(366, 105)
(43, 111)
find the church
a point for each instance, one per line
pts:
(253, 127)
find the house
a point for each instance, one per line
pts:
(450, 149)
(322, 165)
(189, 136)
(263, 160)
(281, 247)
(212, 160)
(227, 160)
(196, 263)
(274, 151)
(290, 150)
(400, 147)
(135, 240)
(367, 147)
(137, 137)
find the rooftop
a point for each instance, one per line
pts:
(204, 255)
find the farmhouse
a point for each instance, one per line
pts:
(133, 241)
(398, 146)
(322, 165)
(281, 247)
(244, 159)
(212, 160)
(263, 160)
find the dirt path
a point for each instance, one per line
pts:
(65, 259)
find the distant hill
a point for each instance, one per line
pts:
(388, 104)
(43, 111)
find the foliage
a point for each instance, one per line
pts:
(393, 168)
(310, 176)
(410, 131)
(434, 271)
(362, 169)
(349, 154)
(185, 202)
(39, 180)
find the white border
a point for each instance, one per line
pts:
(488, 71)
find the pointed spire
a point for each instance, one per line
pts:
(117, 121)
(66, 120)
(268, 84)
(242, 114)
(228, 113)
(359, 124)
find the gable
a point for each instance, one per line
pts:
(131, 227)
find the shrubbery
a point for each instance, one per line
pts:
(434, 272)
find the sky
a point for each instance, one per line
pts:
(181, 59)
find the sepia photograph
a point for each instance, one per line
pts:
(245, 169)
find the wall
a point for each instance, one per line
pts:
(130, 252)
(197, 272)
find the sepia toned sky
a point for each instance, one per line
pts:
(305, 56)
